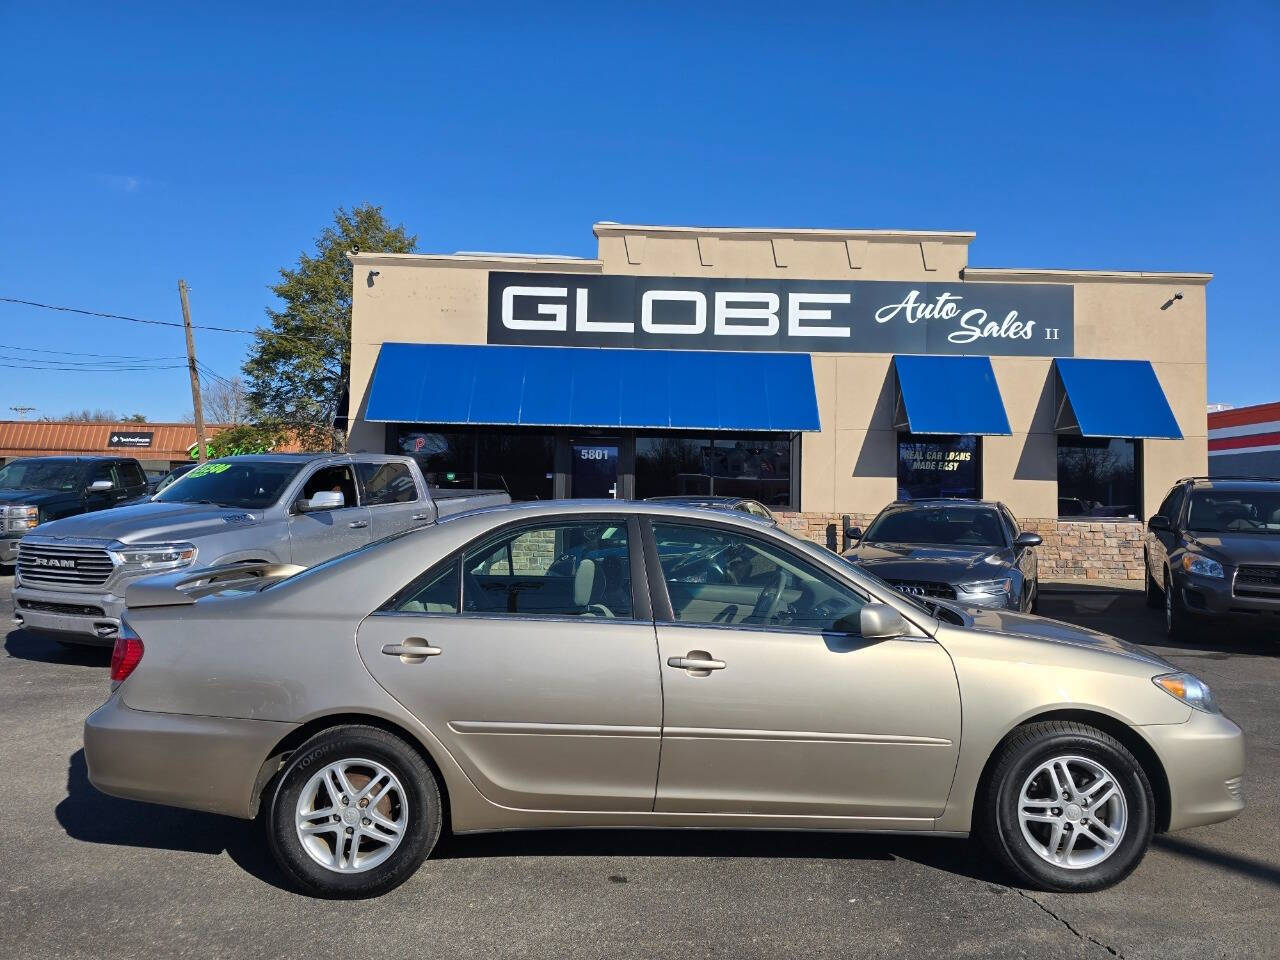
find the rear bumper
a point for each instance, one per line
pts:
(202, 763)
(1204, 762)
(78, 616)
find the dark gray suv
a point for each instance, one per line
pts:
(1212, 554)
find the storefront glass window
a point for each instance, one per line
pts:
(1097, 477)
(938, 466)
(672, 466)
(524, 462)
(756, 469)
(447, 460)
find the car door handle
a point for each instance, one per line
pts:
(358, 524)
(420, 516)
(412, 652)
(696, 660)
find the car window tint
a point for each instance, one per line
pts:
(437, 594)
(573, 569)
(1010, 524)
(387, 483)
(1170, 504)
(336, 478)
(719, 576)
(102, 471)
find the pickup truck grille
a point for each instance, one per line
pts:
(925, 588)
(58, 564)
(1258, 581)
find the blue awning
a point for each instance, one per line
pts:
(578, 387)
(938, 394)
(1112, 398)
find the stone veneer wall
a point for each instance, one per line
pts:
(1072, 549)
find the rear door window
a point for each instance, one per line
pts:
(385, 483)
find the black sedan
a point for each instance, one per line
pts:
(740, 504)
(964, 550)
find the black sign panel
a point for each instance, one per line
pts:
(808, 316)
(138, 439)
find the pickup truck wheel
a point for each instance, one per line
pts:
(354, 813)
(1067, 808)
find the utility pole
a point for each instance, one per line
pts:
(195, 374)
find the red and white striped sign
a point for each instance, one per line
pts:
(1253, 429)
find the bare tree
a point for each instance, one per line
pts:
(225, 401)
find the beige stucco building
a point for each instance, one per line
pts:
(861, 304)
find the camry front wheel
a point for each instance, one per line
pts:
(1067, 807)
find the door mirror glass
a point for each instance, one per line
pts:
(1158, 522)
(99, 485)
(323, 500)
(879, 621)
(1027, 540)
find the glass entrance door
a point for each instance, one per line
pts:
(593, 474)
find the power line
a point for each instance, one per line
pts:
(81, 353)
(162, 323)
(36, 362)
(119, 369)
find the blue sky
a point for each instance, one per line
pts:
(143, 143)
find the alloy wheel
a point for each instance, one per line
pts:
(351, 815)
(1072, 812)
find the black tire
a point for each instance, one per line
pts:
(421, 802)
(1018, 758)
(1154, 594)
(1178, 625)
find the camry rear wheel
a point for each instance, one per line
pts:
(1067, 808)
(355, 812)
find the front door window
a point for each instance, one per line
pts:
(594, 471)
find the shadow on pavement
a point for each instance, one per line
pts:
(1267, 872)
(958, 856)
(25, 645)
(93, 817)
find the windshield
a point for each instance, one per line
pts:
(941, 526)
(1235, 511)
(231, 483)
(40, 475)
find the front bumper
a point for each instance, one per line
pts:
(8, 549)
(78, 615)
(1215, 598)
(1203, 760)
(202, 763)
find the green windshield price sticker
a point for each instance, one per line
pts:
(209, 468)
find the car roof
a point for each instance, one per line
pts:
(695, 498)
(72, 459)
(542, 508)
(1237, 484)
(946, 502)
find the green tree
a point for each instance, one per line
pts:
(244, 438)
(298, 367)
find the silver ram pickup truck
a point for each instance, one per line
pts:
(296, 509)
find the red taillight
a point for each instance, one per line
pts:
(126, 655)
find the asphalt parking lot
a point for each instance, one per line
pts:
(85, 875)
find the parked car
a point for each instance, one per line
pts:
(35, 490)
(449, 672)
(1212, 554)
(969, 551)
(282, 508)
(741, 504)
(181, 470)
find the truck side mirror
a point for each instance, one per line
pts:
(99, 485)
(323, 500)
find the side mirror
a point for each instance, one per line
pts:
(1027, 540)
(1159, 522)
(879, 621)
(324, 500)
(99, 485)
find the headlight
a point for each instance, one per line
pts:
(157, 556)
(1191, 690)
(993, 587)
(24, 518)
(1201, 566)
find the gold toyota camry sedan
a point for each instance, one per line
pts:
(597, 664)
